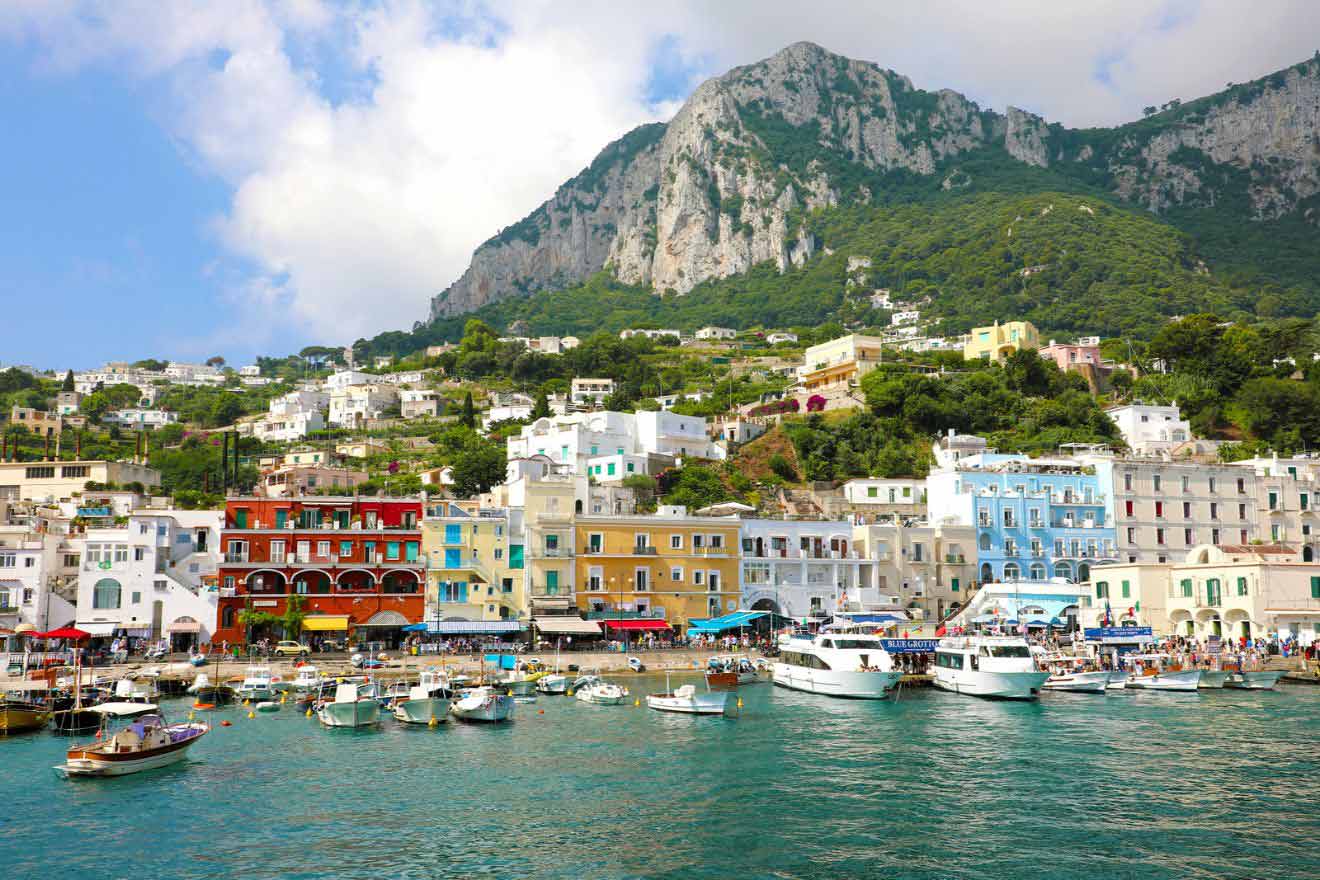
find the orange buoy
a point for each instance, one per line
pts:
(540, 711)
(203, 705)
(226, 723)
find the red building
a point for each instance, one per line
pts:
(357, 563)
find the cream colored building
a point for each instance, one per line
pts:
(926, 568)
(475, 564)
(56, 480)
(840, 363)
(998, 341)
(1254, 590)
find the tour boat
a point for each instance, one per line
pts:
(837, 663)
(1254, 681)
(484, 704)
(602, 693)
(999, 667)
(354, 705)
(686, 700)
(257, 685)
(1068, 673)
(422, 706)
(148, 742)
(1155, 672)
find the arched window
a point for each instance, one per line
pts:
(1083, 572)
(106, 593)
(984, 541)
(1037, 571)
(227, 616)
(987, 573)
(1063, 570)
(1011, 571)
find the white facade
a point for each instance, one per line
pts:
(650, 334)
(153, 577)
(776, 338)
(419, 402)
(716, 333)
(591, 392)
(911, 316)
(887, 492)
(288, 428)
(799, 568)
(954, 447)
(352, 405)
(671, 434)
(667, 401)
(1147, 428)
(249, 370)
(299, 401)
(570, 441)
(29, 564)
(142, 418)
(348, 378)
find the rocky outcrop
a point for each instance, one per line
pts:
(725, 184)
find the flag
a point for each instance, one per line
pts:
(941, 632)
(1109, 616)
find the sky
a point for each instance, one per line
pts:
(181, 178)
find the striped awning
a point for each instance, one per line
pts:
(472, 627)
(566, 625)
(184, 626)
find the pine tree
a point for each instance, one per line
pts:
(469, 416)
(68, 381)
(541, 409)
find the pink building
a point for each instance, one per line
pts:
(1068, 356)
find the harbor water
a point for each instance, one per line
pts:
(1128, 785)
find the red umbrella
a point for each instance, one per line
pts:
(64, 632)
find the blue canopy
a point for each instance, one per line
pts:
(736, 620)
(882, 618)
(472, 627)
(414, 628)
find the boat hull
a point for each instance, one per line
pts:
(1253, 681)
(88, 762)
(422, 711)
(553, 684)
(602, 697)
(361, 713)
(992, 685)
(21, 719)
(490, 709)
(1117, 680)
(75, 721)
(1211, 679)
(1183, 681)
(1078, 682)
(698, 704)
(835, 683)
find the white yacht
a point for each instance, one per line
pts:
(835, 663)
(988, 666)
(258, 684)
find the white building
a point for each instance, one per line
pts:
(954, 447)
(349, 378)
(419, 403)
(142, 419)
(903, 496)
(667, 401)
(910, 316)
(249, 370)
(570, 441)
(351, 406)
(650, 334)
(717, 333)
(288, 428)
(799, 568)
(776, 338)
(29, 566)
(153, 578)
(1147, 428)
(925, 569)
(591, 392)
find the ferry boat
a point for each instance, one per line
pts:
(1000, 667)
(145, 744)
(836, 663)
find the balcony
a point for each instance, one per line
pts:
(951, 558)
(644, 550)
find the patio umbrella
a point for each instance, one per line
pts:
(64, 632)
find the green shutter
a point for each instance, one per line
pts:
(1242, 586)
(1315, 588)
(1102, 590)
(1187, 589)
(281, 518)
(1127, 590)
(954, 585)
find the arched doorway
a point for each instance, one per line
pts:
(766, 605)
(987, 573)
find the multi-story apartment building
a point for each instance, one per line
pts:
(839, 364)
(152, 578)
(299, 479)
(882, 496)
(1162, 509)
(37, 421)
(1036, 519)
(800, 568)
(998, 341)
(1287, 491)
(141, 419)
(661, 571)
(292, 416)
(476, 569)
(352, 406)
(586, 392)
(716, 333)
(56, 480)
(1148, 429)
(930, 568)
(30, 563)
(357, 563)
(416, 403)
(571, 442)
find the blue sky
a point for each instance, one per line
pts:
(184, 178)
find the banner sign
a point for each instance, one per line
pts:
(1114, 634)
(910, 646)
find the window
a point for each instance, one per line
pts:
(642, 579)
(507, 585)
(40, 473)
(1128, 507)
(1242, 533)
(1241, 486)
(675, 541)
(1214, 510)
(698, 541)
(1186, 483)
(1155, 481)
(1127, 482)
(1315, 587)
(1102, 590)
(106, 593)
(595, 579)
(1159, 509)
(676, 575)
(1274, 501)
(1304, 501)
(1187, 510)
(1189, 537)
(1242, 586)
(75, 471)
(137, 597)
(1185, 588)
(1159, 536)
(71, 560)
(872, 491)
(717, 542)
(499, 552)
(391, 550)
(1275, 533)
(1131, 535)
(953, 584)
(1126, 588)
(696, 576)
(1008, 519)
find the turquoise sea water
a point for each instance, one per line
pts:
(1220, 784)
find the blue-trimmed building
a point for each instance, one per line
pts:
(1035, 519)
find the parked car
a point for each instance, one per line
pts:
(291, 649)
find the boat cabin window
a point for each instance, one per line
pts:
(948, 661)
(854, 644)
(1010, 651)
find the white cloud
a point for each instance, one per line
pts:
(349, 212)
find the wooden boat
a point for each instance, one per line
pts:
(729, 672)
(19, 716)
(484, 704)
(145, 744)
(687, 701)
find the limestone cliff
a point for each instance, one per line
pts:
(725, 183)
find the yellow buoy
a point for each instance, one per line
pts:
(569, 692)
(192, 715)
(309, 713)
(252, 714)
(247, 702)
(637, 702)
(740, 702)
(509, 692)
(432, 722)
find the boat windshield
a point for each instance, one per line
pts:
(855, 644)
(1010, 651)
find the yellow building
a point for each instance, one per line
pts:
(840, 363)
(475, 565)
(670, 566)
(998, 341)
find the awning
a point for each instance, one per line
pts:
(881, 618)
(552, 603)
(415, 628)
(567, 625)
(635, 624)
(472, 627)
(736, 620)
(386, 618)
(98, 629)
(184, 626)
(326, 623)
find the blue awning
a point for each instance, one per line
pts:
(414, 628)
(736, 620)
(472, 627)
(883, 618)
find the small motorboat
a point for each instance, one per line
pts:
(484, 704)
(554, 683)
(144, 744)
(17, 716)
(1069, 673)
(636, 664)
(354, 705)
(1260, 680)
(422, 706)
(268, 706)
(729, 672)
(258, 684)
(1156, 672)
(308, 680)
(686, 700)
(602, 693)
(1212, 679)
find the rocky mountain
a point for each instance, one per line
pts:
(725, 185)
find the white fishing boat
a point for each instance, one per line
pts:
(602, 693)
(1212, 679)
(308, 680)
(484, 704)
(1069, 673)
(1117, 680)
(258, 684)
(837, 663)
(1259, 680)
(554, 683)
(145, 743)
(354, 705)
(1157, 672)
(422, 706)
(688, 701)
(135, 690)
(999, 667)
